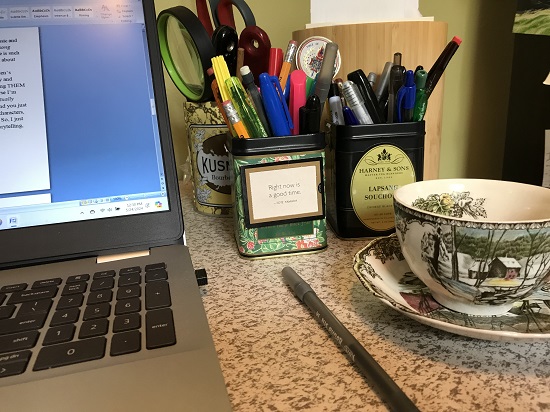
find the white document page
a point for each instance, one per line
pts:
(24, 165)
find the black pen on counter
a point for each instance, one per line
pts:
(377, 377)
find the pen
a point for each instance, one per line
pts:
(381, 85)
(405, 98)
(421, 100)
(275, 61)
(377, 377)
(396, 81)
(297, 97)
(275, 105)
(248, 83)
(369, 97)
(339, 82)
(435, 73)
(372, 79)
(235, 120)
(349, 117)
(355, 102)
(310, 115)
(290, 54)
(245, 109)
(335, 104)
(325, 75)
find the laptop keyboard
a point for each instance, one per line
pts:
(84, 317)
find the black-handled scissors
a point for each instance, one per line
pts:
(222, 12)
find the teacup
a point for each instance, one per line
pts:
(478, 245)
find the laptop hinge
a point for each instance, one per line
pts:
(122, 256)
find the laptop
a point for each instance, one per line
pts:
(99, 304)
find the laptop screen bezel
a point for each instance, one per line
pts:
(32, 245)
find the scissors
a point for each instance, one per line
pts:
(187, 46)
(224, 35)
(222, 13)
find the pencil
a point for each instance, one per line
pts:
(290, 54)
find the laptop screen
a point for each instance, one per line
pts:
(78, 122)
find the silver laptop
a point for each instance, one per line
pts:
(99, 304)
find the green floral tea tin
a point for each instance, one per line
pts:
(279, 195)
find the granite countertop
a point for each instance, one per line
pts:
(276, 357)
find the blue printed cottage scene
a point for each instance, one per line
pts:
(483, 263)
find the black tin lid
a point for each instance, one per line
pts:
(277, 145)
(357, 138)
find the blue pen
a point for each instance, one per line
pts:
(286, 91)
(349, 117)
(275, 105)
(406, 97)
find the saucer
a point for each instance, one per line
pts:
(382, 269)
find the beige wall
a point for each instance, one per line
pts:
(279, 22)
(476, 81)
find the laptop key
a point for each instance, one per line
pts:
(14, 363)
(157, 274)
(59, 334)
(133, 291)
(74, 288)
(128, 306)
(125, 271)
(39, 306)
(22, 323)
(14, 288)
(131, 279)
(153, 266)
(33, 294)
(70, 353)
(126, 342)
(78, 278)
(104, 274)
(62, 317)
(70, 301)
(159, 325)
(100, 297)
(101, 310)
(157, 295)
(6, 311)
(92, 328)
(2, 297)
(127, 322)
(102, 283)
(46, 282)
(18, 341)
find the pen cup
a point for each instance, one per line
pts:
(210, 165)
(279, 194)
(365, 164)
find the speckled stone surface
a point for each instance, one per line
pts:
(276, 357)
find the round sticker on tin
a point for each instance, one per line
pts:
(309, 56)
(381, 170)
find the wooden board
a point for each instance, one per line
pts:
(368, 46)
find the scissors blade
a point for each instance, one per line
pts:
(224, 12)
(204, 16)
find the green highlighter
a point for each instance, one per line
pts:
(421, 102)
(245, 108)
